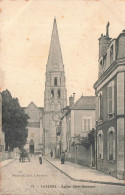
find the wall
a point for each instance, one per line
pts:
(81, 155)
(105, 165)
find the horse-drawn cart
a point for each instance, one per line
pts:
(24, 156)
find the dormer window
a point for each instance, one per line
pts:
(104, 60)
(111, 54)
(101, 62)
(55, 81)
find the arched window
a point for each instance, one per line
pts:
(52, 93)
(111, 144)
(58, 93)
(55, 81)
(100, 145)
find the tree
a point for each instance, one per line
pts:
(14, 122)
(89, 140)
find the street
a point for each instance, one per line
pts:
(32, 178)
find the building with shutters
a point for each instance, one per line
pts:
(35, 128)
(55, 94)
(110, 109)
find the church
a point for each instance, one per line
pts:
(35, 129)
(43, 122)
(55, 94)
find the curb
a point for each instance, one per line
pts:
(82, 180)
(7, 164)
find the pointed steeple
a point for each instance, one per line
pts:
(55, 61)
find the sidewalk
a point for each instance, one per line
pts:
(84, 174)
(6, 162)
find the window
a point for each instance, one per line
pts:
(52, 93)
(87, 124)
(58, 93)
(101, 62)
(100, 145)
(104, 60)
(55, 81)
(100, 106)
(52, 106)
(111, 54)
(111, 144)
(111, 98)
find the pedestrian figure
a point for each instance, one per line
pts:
(51, 153)
(40, 158)
(63, 158)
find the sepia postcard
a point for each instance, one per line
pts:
(62, 97)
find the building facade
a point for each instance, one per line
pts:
(110, 112)
(35, 128)
(55, 95)
(76, 124)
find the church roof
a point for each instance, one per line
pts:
(84, 103)
(55, 61)
(32, 103)
(41, 109)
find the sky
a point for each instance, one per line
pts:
(26, 27)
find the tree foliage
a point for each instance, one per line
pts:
(14, 122)
(89, 140)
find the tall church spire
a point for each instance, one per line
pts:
(55, 61)
(55, 94)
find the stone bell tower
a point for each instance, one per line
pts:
(55, 94)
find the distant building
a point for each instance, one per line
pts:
(55, 95)
(110, 113)
(76, 124)
(35, 128)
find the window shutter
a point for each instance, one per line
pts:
(99, 107)
(110, 99)
(107, 146)
(97, 145)
(88, 124)
(102, 146)
(84, 124)
(114, 145)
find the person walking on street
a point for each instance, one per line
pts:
(63, 158)
(51, 153)
(40, 158)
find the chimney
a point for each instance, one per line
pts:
(71, 100)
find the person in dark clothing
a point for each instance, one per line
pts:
(51, 153)
(40, 158)
(63, 158)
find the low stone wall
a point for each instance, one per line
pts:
(81, 155)
(5, 155)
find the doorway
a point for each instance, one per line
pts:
(31, 145)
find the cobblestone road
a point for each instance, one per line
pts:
(31, 178)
